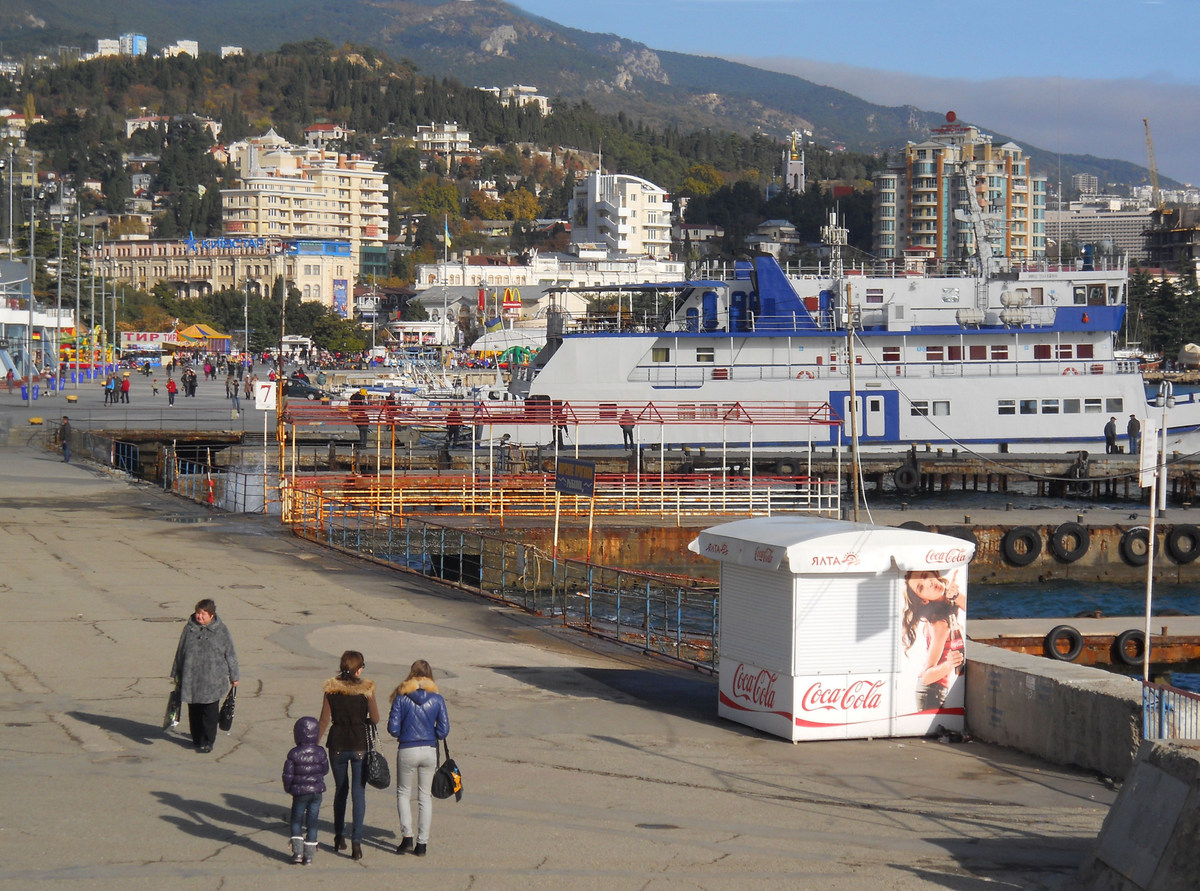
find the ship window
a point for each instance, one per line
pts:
(954, 353)
(1080, 295)
(920, 409)
(891, 354)
(1114, 294)
(1000, 351)
(978, 352)
(687, 412)
(874, 295)
(1006, 407)
(705, 354)
(941, 407)
(1091, 406)
(933, 354)
(1041, 351)
(1096, 295)
(608, 410)
(1049, 406)
(1084, 351)
(1064, 351)
(1029, 406)
(660, 354)
(1070, 406)
(950, 295)
(1114, 405)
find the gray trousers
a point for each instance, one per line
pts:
(417, 763)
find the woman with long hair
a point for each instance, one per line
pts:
(931, 605)
(418, 720)
(349, 703)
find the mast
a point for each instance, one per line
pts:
(836, 237)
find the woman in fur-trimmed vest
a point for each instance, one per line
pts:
(418, 720)
(348, 705)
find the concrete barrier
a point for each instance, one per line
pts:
(1149, 836)
(1064, 713)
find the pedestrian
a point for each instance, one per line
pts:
(110, 390)
(418, 719)
(627, 429)
(154, 386)
(205, 667)
(10, 379)
(359, 416)
(1134, 429)
(125, 384)
(249, 385)
(172, 389)
(348, 706)
(453, 427)
(64, 438)
(237, 402)
(230, 386)
(1110, 436)
(304, 779)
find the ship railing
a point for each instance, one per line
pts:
(673, 616)
(1169, 713)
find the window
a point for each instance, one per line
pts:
(933, 354)
(1070, 406)
(941, 407)
(1064, 350)
(978, 353)
(660, 354)
(1041, 351)
(1084, 351)
(1049, 406)
(920, 409)
(705, 354)
(891, 354)
(954, 353)
(1080, 295)
(1114, 406)
(1091, 406)
(1000, 351)
(1028, 406)
(874, 295)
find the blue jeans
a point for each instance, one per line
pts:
(304, 813)
(347, 782)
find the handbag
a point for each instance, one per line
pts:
(447, 780)
(375, 768)
(225, 718)
(171, 718)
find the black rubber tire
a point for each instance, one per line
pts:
(1069, 542)
(966, 533)
(1121, 647)
(786, 468)
(1135, 546)
(1080, 487)
(914, 525)
(1183, 543)
(906, 478)
(1067, 633)
(312, 397)
(1021, 545)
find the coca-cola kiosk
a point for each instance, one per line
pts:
(836, 630)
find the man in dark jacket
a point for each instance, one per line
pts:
(1110, 436)
(304, 779)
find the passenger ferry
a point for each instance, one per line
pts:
(1005, 357)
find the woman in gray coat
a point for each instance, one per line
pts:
(205, 666)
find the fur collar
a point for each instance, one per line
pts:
(362, 687)
(414, 684)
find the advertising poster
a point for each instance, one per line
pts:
(341, 300)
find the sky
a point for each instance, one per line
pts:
(1077, 76)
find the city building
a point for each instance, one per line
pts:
(1105, 226)
(227, 51)
(133, 44)
(621, 214)
(182, 48)
(521, 96)
(924, 203)
(319, 136)
(108, 46)
(1085, 183)
(440, 141)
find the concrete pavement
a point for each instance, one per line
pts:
(585, 765)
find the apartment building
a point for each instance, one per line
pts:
(133, 44)
(1107, 226)
(521, 96)
(957, 171)
(622, 215)
(441, 141)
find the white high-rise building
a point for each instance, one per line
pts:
(621, 214)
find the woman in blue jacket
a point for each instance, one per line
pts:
(418, 720)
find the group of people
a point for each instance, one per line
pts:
(1133, 429)
(116, 391)
(206, 667)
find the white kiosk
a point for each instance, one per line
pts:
(836, 630)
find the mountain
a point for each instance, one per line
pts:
(491, 43)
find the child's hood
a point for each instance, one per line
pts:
(306, 731)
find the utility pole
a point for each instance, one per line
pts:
(78, 246)
(29, 369)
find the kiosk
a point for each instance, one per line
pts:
(836, 630)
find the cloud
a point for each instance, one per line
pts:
(1075, 116)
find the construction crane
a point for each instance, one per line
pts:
(1155, 198)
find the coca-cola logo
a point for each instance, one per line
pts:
(755, 687)
(848, 559)
(950, 555)
(860, 695)
(714, 548)
(764, 555)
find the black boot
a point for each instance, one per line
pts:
(339, 843)
(355, 851)
(419, 850)
(406, 844)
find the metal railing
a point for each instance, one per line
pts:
(1169, 713)
(229, 490)
(671, 616)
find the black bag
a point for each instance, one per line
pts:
(225, 718)
(375, 767)
(171, 718)
(447, 780)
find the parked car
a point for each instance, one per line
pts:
(298, 389)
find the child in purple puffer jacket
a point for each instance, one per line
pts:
(304, 778)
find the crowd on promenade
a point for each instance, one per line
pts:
(205, 669)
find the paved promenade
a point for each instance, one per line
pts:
(585, 765)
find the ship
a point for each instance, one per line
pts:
(989, 356)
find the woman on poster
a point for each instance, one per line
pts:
(933, 606)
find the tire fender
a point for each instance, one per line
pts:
(1135, 546)
(1183, 543)
(1021, 545)
(1121, 647)
(1067, 634)
(1069, 542)
(906, 478)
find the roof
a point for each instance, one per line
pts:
(202, 332)
(816, 546)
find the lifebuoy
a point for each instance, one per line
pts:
(1121, 647)
(1135, 546)
(1069, 542)
(1060, 634)
(1183, 543)
(906, 478)
(1021, 545)
(805, 375)
(1070, 371)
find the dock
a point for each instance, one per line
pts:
(1104, 640)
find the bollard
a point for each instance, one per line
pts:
(1008, 505)
(966, 518)
(903, 505)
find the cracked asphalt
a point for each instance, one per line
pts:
(585, 764)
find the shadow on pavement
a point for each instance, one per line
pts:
(684, 696)
(135, 731)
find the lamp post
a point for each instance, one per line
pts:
(32, 273)
(1164, 400)
(246, 321)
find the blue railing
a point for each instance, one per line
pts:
(1169, 713)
